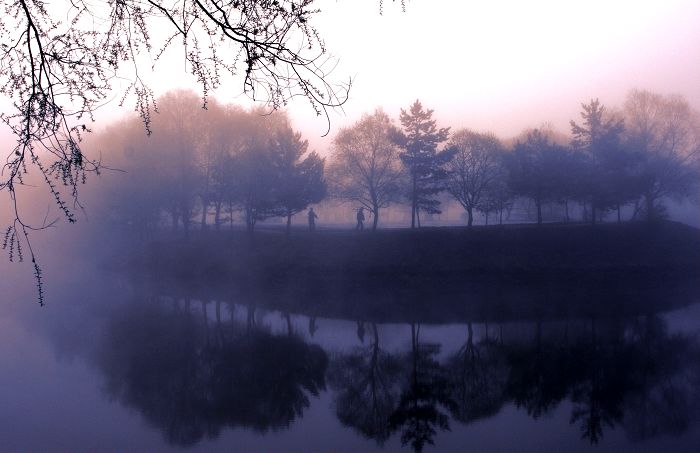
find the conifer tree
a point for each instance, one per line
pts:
(420, 139)
(599, 137)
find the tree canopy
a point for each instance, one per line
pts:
(420, 139)
(366, 167)
(59, 62)
(476, 170)
(665, 133)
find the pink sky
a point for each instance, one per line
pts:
(496, 65)
(504, 65)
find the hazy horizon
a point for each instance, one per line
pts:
(500, 67)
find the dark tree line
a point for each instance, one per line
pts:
(645, 153)
(210, 164)
(223, 162)
(59, 62)
(192, 375)
(636, 376)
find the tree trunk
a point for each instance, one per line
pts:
(217, 216)
(205, 208)
(650, 207)
(290, 330)
(289, 223)
(470, 217)
(205, 314)
(414, 348)
(250, 318)
(417, 216)
(175, 218)
(413, 214)
(414, 204)
(186, 222)
(249, 219)
(635, 212)
(375, 221)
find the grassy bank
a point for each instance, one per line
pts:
(432, 272)
(526, 248)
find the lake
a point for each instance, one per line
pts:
(133, 363)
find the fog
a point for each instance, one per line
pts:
(501, 67)
(496, 233)
(125, 357)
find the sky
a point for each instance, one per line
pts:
(506, 65)
(499, 65)
(490, 65)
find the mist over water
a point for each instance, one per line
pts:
(541, 300)
(124, 358)
(494, 247)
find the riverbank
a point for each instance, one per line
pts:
(513, 248)
(433, 270)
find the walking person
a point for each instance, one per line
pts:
(312, 220)
(360, 219)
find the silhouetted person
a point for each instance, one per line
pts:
(360, 219)
(312, 326)
(361, 331)
(312, 220)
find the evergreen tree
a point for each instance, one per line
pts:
(299, 180)
(426, 165)
(599, 138)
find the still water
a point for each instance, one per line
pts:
(117, 363)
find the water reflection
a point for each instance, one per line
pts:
(612, 371)
(479, 374)
(425, 397)
(191, 372)
(190, 379)
(365, 381)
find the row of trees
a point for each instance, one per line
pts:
(221, 160)
(193, 377)
(640, 155)
(209, 162)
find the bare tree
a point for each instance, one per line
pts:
(225, 138)
(59, 62)
(366, 167)
(475, 170)
(165, 173)
(665, 131)
(181, 139)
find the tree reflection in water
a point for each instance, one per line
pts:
(630, 373)
(191, 376)
(478, 374)
(378, 393)
(426, 393)
(366, 386)
(190, 382)
(666, 379)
